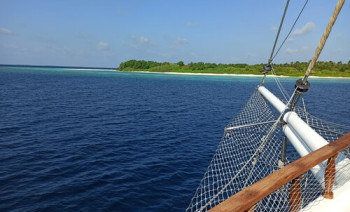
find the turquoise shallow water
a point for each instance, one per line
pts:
(114, 141)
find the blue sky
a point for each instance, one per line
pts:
(104, 33)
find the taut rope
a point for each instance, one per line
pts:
(279, 30)
(324, 38)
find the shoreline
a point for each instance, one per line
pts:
(174, 73)
(89, 69)
(232, 75)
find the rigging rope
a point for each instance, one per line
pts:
(248, 152)
(279, 30)
(291, 29)
(268, 66)
(280, 86)
(324, 38)
(302, 85)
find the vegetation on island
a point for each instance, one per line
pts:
(323, 69)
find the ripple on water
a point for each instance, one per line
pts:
(82, 141)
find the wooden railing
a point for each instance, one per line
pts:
(248, 197)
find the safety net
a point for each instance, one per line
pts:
(252, 147)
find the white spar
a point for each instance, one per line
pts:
(307, 136)
(278, 104)
(306, 133)
(303, 150)
(301, 135)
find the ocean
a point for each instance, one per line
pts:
(98, 140)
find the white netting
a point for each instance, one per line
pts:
(250, 149)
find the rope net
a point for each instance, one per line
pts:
(251, 149)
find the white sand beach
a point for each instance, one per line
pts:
(234, 75)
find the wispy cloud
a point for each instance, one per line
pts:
(273, 28)
(139, 42)
(81, 36)
(291, 51)
(339, 50)
(191, 25)
(180, 41)
(5, 31)
(307, 48)
(338, 36)
(102, 46)
(249, 56)
(290, 40)
(12, 47)
(308, 27)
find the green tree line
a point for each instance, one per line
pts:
(322, 68)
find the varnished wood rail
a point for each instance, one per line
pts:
(248, 197)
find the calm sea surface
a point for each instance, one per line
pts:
(75, 140)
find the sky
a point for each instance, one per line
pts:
(104, 33)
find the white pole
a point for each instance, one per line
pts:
(304, 138)
(313, 140)
(276, 103)
(303, 150)
(296, 141)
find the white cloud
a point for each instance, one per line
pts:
(273, 28)
(307, 48)
(249, 56)
(339, 50)
(143, 40)
(12, 47)
(338, 36)
(290, 40)
(180, 41)
(140, 42)
(191, 25)
(103, 46)
(308, 27)
(5, 31)
(291, 51)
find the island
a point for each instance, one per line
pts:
(294, 69)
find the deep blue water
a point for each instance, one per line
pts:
(111, 141)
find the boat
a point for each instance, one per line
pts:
(276, 156)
